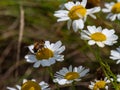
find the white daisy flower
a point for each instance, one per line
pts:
(47, 56)
(118, 77)
(31, 85)
(67, 76)
(76, 14)
(115, 55)
(96, 35)
(99, 84)
(113, 9)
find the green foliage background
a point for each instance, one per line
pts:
(41, 24)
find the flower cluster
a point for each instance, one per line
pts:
(44, 53)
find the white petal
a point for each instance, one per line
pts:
(24, 80)
(118, 0)
(31, 48)
(91, 29)
(63, 71)
(59, 58)
(93, 16)
(91, 42)
(93, 10)
(37, 64)
(99, 29)
(52, 61)
(118, 16)
(115, 54)
(10, 88)
(61, 49)
(18, 87)
(108, 42)
(106, 10)
(111, 17)
(33, 80)
(80, 24)
(85, 37)
(47, 43)
(109, 5)
(108, 32)
(69, 23)
(106, 87)
(70, 68)
(100, 44)
(83, 73)
(118, 79)
(75, 26)
(83, 3)
(61, 12)
(45, 63)
(62, 82)
(118, 62)
(69, 5)
(77, 3)
(60, 15)
(30, 58)
(57, 44)
(75, 69)
(91, 87)
(86, 32)
(63, 19)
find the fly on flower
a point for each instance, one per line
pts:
(39, 45)
(50, 53)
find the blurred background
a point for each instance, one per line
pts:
(22, 22)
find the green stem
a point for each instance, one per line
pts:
(73, 86)
(105, 67)
(52, 76)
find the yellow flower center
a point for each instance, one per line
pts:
(116, 8)
(30, 85)
(118, 85)
(77, 12)
(44, 53)
(72, 75)
(99, 85)
(98, 36)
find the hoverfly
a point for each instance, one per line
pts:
(38, 45)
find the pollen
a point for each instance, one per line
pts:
(98, 36)
(44, 53)
(30, 85)
(99, 85)
(72, 75)
(116, 8)
(77, 12)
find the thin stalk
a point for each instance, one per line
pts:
(104, 65)
(21, 30)
(52, 76)
(73, 86)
